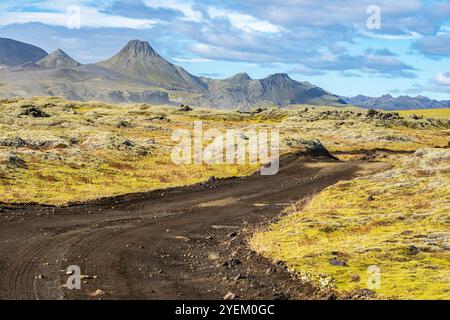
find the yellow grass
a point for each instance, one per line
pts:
(396, 221)
(80, 167)
(431, 113)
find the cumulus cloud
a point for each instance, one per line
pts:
(89, 17)
(314, 37)
(381, 62)
(439, 83)
(442, 79)
(438, 45)
(243, 22)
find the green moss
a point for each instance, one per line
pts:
(396, 220)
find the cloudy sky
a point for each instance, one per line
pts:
(341, 46)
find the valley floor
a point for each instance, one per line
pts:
(76, 183)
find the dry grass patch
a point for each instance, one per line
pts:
(396, 220)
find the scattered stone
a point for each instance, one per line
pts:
(184, 108)
(355, 278)
(330, 296)
(211, 180)
(213, 256)
(34, 112)
(232, 263)
(412, 250)
(336, 262)
(12, 160)
(229, 296)
(97, 293)
(15, 142)
(124, 124)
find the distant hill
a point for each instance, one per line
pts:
(13, 53)
(241, 90)
(58, 59)
(388, 102)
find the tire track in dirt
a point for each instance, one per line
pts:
(175, 243)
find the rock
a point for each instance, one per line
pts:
(232, 263)
(307, 147)
(11, 160)
(362, 294)
(229, 296)
(355, 278)
(15, 142)
(34, 112)
(330, 296)
(123, 124)
(97, 293)
(211, 179)
(213, 256)
(184, 108)
(336, 262)
(412, 250)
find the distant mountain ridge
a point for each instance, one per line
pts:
(278, 89)
(388, 102)
(137, 73)
(13, 53)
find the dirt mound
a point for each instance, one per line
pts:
(307, 147)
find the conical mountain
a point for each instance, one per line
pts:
(58, 59)
(138, 60)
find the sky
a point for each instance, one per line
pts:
(350, 47)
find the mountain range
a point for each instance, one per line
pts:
(137, 73)
(388, 102)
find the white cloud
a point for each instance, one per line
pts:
(90, 17)
(192, 60)
(185, 8)
(442, 79)
(244, 22)
(409, 35)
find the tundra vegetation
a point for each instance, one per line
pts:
(57, 152)
(54, 151)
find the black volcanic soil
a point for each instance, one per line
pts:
(182, 243)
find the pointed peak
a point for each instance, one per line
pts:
(58, 59)
(279, 76)
(242, 76)
(137, 48)
(59, 53)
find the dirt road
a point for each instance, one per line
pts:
(186, 243)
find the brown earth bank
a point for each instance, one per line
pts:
(181, 243)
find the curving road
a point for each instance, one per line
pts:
(187, 243)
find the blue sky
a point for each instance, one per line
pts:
(328, 43)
